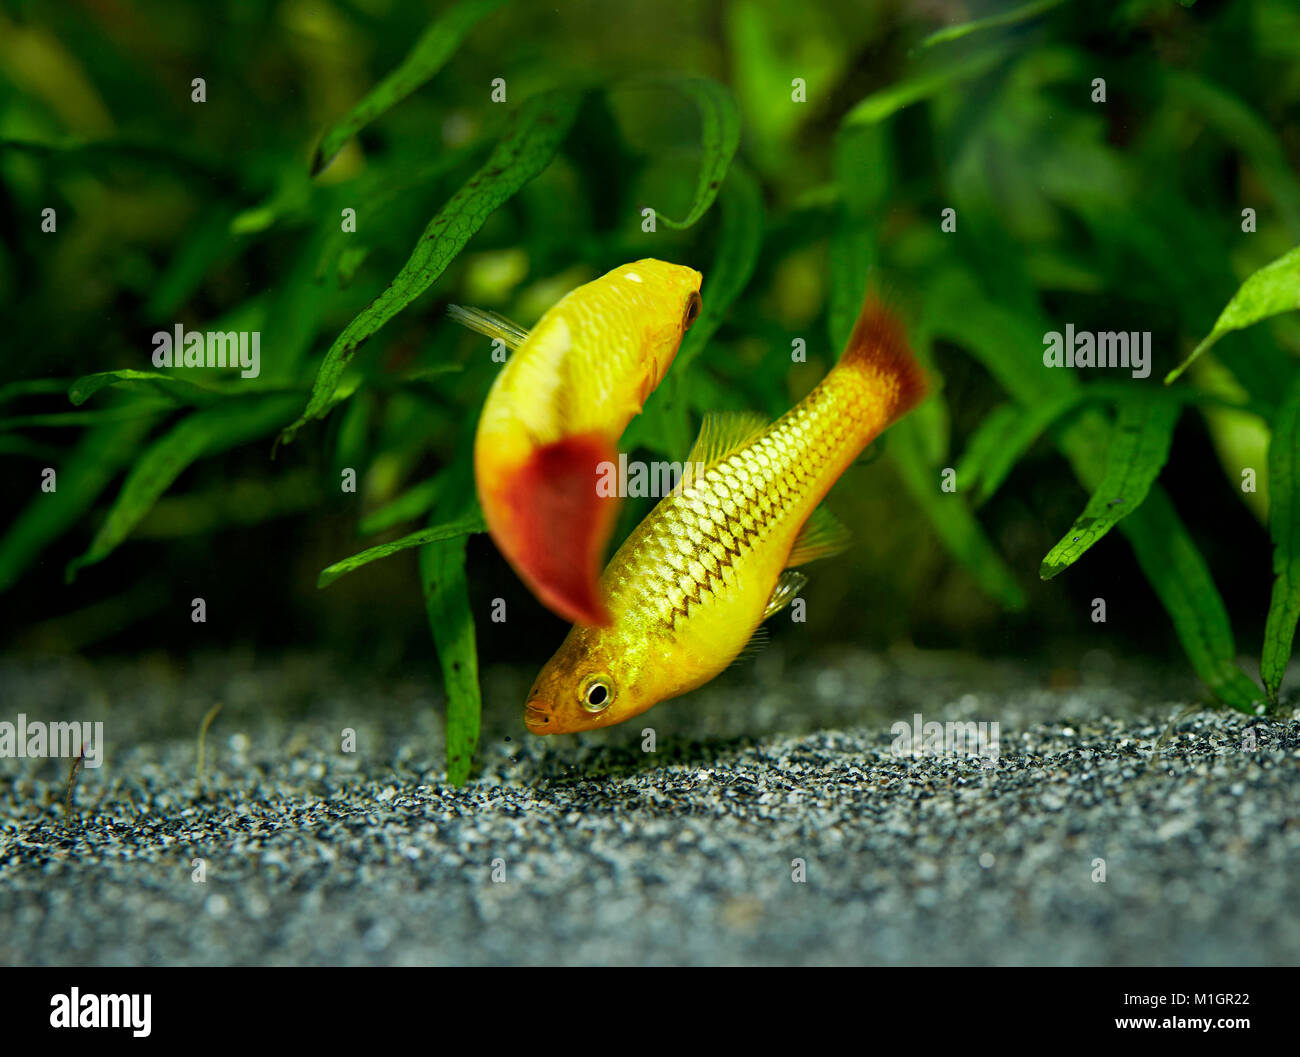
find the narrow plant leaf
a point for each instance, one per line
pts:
(446, 601)
(1006, 18)
(664, 425)
(740, 238)
(1248, 132)
(1284, 527)
(1175, 569)
(12, 444)
(63, 419)
(719, 138)
(1010, 430)
(1274, 289)
(436, 45)
(534, 135)
(888, 101)
(170, 154)
(81, 476)
(180, 391)
(1002, 440)
(1139, 447)
(451, 621)
(1184, 587)
(203, 433)
(32, 387)
(414, 502)
(957, 527)
(464, 526)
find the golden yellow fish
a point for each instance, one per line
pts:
(692, 583)
(555, 412)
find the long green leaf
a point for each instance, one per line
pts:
(882, 104)
(664, 425)
(1139, 448)
(530, 143)
(32, 387)
(1172, 565)
(1002, 439)
(446, 601)
(959, 309)
(416, 500)
(62, 419)
(1011, 429)
(464, 526)
(451, 621)
(1274, 289)
(1006, 18)
(719, 138)
(178, 390)
(740, 238)
(436, 45)
(1175, 568)
(80, 478)
(957, 527)
(205, 432)
(1284, 527)
(1248, 132)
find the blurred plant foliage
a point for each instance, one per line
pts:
(804, 151)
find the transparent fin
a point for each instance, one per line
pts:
(757, 643)
(821, 536)
(489, 324)
(789, 585)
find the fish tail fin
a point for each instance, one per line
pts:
(551, 522)
(879, 352)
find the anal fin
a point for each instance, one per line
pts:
(788, 585)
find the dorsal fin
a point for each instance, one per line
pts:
(789, 585)
(722, 432)
(821, 536)
(489, 324)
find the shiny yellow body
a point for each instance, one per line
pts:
(689, 587)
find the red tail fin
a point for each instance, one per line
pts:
(549, 521)
(878, 347)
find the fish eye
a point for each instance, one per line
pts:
(693, 307)
(597, 693)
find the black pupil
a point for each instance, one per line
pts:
(597, 694)
(692, 309)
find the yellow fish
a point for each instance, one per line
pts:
(694, 580)
(555, 412)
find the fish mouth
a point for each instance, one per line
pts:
(538, 718)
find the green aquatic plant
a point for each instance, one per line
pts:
(978, 168)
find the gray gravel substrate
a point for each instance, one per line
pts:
(682, 856)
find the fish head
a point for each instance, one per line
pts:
(673, 291)
(595, 679)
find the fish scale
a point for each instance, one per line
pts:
(733, 510)
(693, 581)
